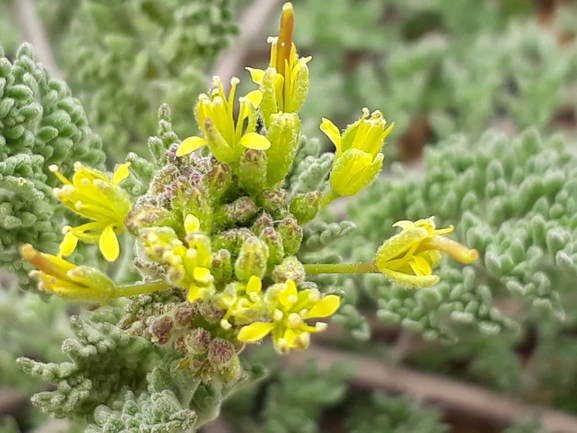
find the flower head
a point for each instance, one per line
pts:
(285, 83)
(408, 257)
(357, 158)
(93, 195)
(226, 136)
(242, 302)
(288, 310)
(66, 280)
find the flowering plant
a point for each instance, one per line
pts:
(218, 232)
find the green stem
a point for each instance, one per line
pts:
(341, 268)
(327, 198)
(139, 289)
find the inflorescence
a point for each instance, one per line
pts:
(219, 231)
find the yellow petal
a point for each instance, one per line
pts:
(289, 295)
(193, 293)
(325, 307)
(256, 75)
(420, 266)
(255, 331)
(120, 173)
(68, 244)
(202, 275)
(252, 140)
(254, 285)
(190, 144)
(108, 244)
(332, 132)
(254, 97)
(191, 223)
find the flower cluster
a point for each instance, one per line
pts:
(218, 230)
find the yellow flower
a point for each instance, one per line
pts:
(357, 158)
(408, 257)
(288, 309)
(93, 195)
(285, 83)
(226, 137)
(242, 302)
(187, 266)
(66, 280)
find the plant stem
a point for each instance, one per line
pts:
(139, 289)
(327, 198)
(341, 268)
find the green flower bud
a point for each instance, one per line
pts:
(252, 259)
(283, 133)
(263, 221)
(291, 234)
(289, 269)
(239, 212)
(218, 181)
(145, 214)
(275, 202)
(157, 240)
(192, 199)
(306, 206)
(252, 170)
(354, 170)
(222, 269)
(275, 246)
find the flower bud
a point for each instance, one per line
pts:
(220, 352)
(263, 221)
(252, 259)
(218, 181)
(275, 202)
(283, 133)
(146, 214)
(184, 313)
(291, 234)
(306, 206)
(222, 268)
(192, 199)
(197, 340)
(275, 246)
(252, 170)
(289, 269)
(239, 212)
(160, 329)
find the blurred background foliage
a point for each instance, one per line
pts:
(483, 94)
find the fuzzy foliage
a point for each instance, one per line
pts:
(40, 124)
(125, 59)
(515, 203)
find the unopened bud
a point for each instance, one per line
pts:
(306, 206)
(275, 246)
(197, 340)
(263, 221)
(239, 212)
(218, 181)
(283, 133)
(252, 259)
(252, 170)
(192, 199)
(275, 202)
(184, 313)
(160, 329)
(147, 215)
(222, 268)
(289, 269)
(220, 352)
(291, 234)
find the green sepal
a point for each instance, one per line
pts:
(353, 170)
(291, 234)
(306, 206)
(283, 133)
(252, 170)
(252, 259)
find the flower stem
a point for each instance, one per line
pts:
(139, 289)
(341, 268)
(328, 197)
